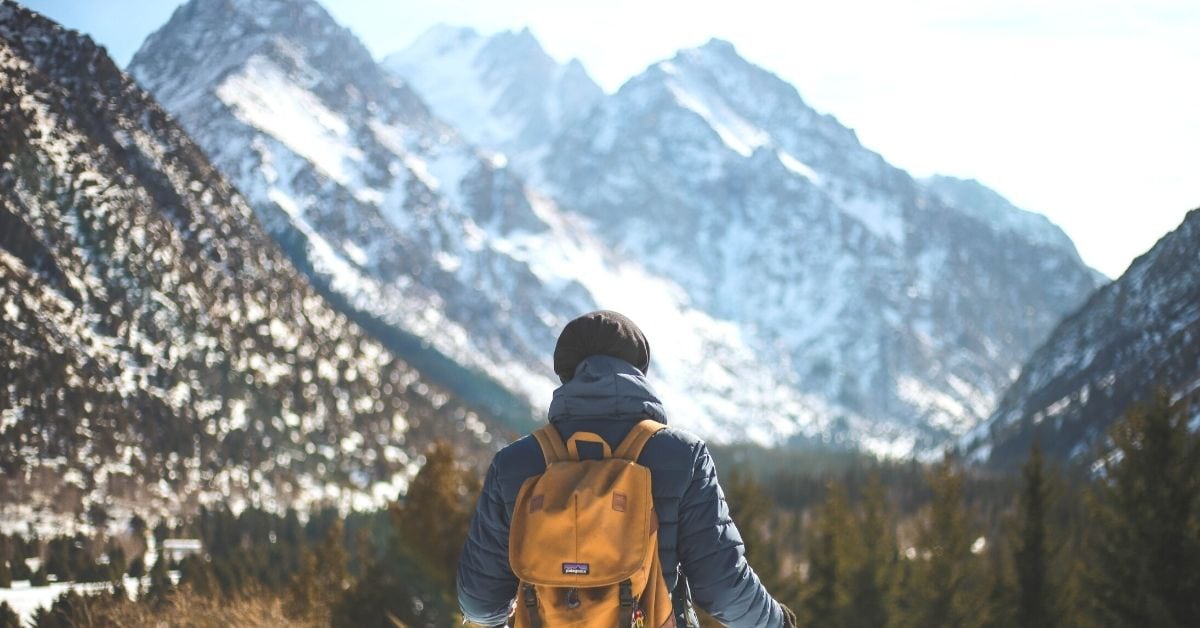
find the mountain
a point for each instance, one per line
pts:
(908, 305)
(798, 278)
(348, 170)
(157, 350)
(977, 200)
(438, 248)
(501, 91)
(1135, 335)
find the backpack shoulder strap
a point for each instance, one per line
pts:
(631, 447)
(551, 443)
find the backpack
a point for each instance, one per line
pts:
(584, 538)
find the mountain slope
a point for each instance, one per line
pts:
(872, 291)
(502, 92)
(416, 233)
(978, 201)
(1138, 333)
(346, 167)
(157, 349)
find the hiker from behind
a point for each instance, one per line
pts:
(607, 516)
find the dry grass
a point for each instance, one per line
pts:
(186, 609)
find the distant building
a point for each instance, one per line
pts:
(178, 549)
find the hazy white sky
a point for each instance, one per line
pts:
(1087, 111)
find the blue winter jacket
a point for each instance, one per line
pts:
(696, 535)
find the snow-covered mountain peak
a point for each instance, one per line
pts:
(521, 42)
(441, 38)
(268, 12)
(210, 39)
(873, 293)
(717, 56)
(719, 46)
(448, 39)
(749, 107)
(290, 68)
(229, 22)
(503, 92)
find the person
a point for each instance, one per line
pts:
(602, 359)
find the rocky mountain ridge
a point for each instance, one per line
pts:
(502, 92)
(1133, 337)
(157, 349)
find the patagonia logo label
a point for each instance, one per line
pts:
(579, 569)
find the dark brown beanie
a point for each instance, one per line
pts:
(600, 333)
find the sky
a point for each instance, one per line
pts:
(1087, 111)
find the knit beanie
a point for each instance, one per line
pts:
(600, 333)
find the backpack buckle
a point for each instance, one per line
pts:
(627, 599)
(627, 602)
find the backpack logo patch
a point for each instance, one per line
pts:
(578, 569)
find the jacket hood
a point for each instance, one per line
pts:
(609, 388)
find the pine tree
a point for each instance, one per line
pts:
(999, 595)
(137, 566)
(873, 578)
(67, 610)
(39, 578)
(160, 581)
(826, 591)
(432, 520)
(410, 581)
(7, 552)
(1037, 594)
(117, 564)
(321, 580)
(750, 509)
(58, 559)
(197, 574)
(18, 551)
(1145, 563)
(946, 585)
(9, 617)
(391, 592)
(161, 532)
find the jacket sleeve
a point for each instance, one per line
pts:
(486, 584)
(712, 555)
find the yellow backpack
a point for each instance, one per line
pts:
(584, 538)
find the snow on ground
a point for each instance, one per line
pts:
(26, 599)
(882, 218)
(795, 165)
(692, 93)
(705, 373)
(263, 96)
